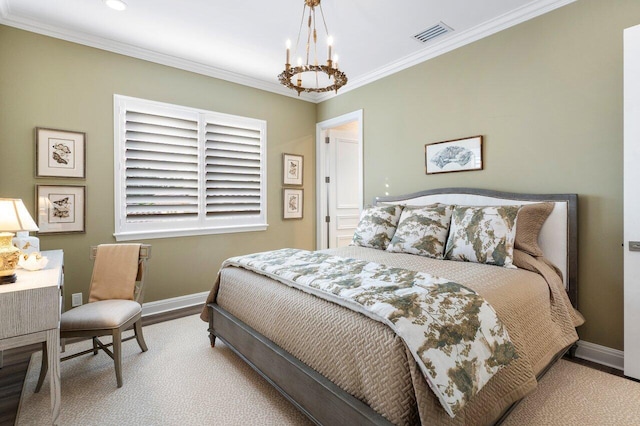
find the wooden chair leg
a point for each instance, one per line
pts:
(44, 367)
(117, 355)
(137, 329)
(1, 358)
(95, 345)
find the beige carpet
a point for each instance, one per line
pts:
(571, 394)
(182, 381)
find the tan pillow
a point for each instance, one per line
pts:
(531, 217)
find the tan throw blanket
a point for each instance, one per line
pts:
(114, 272)
(454, 335)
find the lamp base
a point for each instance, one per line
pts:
(8, 259)
(8, 279)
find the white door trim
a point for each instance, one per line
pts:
(321, 188)
(631, 201)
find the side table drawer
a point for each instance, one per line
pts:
(29, 311)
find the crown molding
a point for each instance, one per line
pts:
(7, 18)
(454, 41)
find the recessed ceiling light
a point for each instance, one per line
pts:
(116, 4)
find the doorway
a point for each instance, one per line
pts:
(339, 179)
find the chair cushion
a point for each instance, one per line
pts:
(99, 315)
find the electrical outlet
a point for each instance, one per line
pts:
(76, 299)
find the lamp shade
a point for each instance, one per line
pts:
(14, 216)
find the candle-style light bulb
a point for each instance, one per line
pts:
(330, 43)
(335, 61)
(300, 73)
(288, 50)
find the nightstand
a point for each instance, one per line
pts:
(30, 313)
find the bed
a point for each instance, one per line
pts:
(340, 367)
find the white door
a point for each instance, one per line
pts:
(632, 202)
(339, 179)
(343, 188)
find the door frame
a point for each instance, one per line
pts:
(321, 188)
(631, 232)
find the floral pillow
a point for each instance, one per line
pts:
(483, 235)
(377, 226)
(422, 231)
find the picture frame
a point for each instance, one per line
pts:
(292, 169)
(293, 203)
(61, 209)
(457, 155)
(60, 153)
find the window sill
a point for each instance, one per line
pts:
(172, 233)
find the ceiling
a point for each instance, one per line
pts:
(243, 41)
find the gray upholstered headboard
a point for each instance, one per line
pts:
(558, 236)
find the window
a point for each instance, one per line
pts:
(183, 171)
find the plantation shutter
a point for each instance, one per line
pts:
(233, 171)
(184, 171)
(161, 167)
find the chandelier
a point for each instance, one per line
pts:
(318, 78)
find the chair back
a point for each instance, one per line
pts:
(119, 271)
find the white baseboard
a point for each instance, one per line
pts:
(600, 354)
(165, 305)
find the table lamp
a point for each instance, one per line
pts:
(13, 217)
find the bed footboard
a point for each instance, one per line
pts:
(317, 397)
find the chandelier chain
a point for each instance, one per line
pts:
(323, 20)
(308, 37)
(304, 9)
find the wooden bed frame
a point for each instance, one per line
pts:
(319, 399)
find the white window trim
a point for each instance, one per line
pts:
(203, 225)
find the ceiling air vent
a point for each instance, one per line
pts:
(432, 32)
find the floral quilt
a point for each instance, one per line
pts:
(455, 336)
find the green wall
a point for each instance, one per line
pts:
(547, 96)
(51, 83)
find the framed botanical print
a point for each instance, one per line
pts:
(60, 153)
(293, 203)
(61, 209)
(454, 156)
(292, 172)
